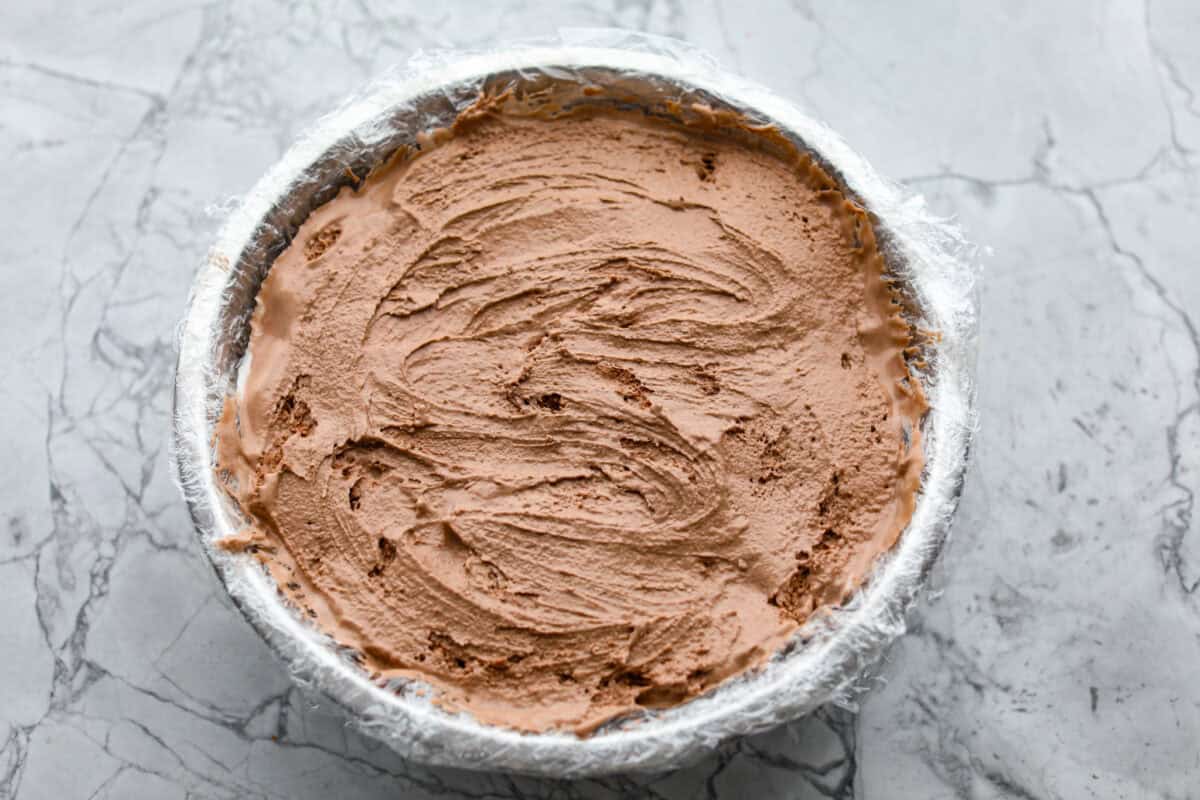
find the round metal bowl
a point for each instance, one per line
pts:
(826, 656)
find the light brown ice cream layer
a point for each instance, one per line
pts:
(572, 417)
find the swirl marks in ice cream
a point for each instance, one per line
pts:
(572, 417)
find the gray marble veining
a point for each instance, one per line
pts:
(1056, 657)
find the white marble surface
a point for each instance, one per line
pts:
(1058, 659)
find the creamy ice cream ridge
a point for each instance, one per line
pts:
(570, 415)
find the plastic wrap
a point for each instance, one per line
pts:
(927, 257)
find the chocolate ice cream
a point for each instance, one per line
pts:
(572, 415)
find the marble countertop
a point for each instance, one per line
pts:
(1056, 658)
